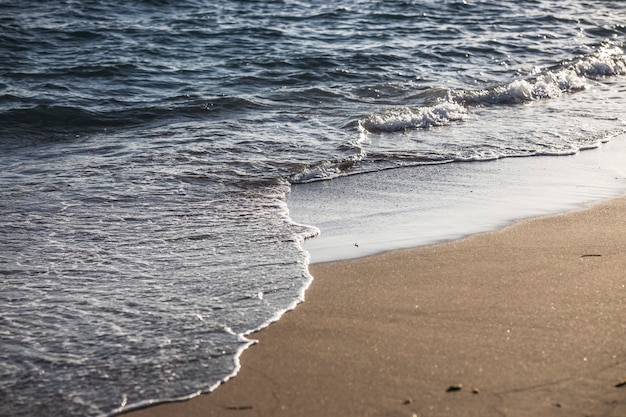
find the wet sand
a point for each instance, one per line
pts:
(526, 321)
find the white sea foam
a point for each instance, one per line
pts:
(567, 78)
(606, 62)
(404, 118)
(545, 86)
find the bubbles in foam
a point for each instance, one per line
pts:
(544, 86)
(404, 118)
(568, 77)
(605, 63)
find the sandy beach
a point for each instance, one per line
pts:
(526, 321)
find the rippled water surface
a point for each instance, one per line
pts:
(147, 148)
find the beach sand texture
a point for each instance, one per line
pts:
(526, 321)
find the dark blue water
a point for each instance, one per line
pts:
(147, 148)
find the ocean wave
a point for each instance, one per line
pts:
(607, 62)
(567, 77)
(50, 122)
(404, 118)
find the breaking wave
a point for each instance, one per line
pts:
(565, 78)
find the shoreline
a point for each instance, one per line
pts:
(529, 320)
(424, 205)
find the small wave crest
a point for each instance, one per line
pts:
(545, 86)
(405, 118)
(607, 62)
(567, 77)
(42, 124)
(21, 126)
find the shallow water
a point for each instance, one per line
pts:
(362, 215)
(147, 149)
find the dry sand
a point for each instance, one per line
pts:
(531, 321)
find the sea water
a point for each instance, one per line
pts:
(147, 148)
